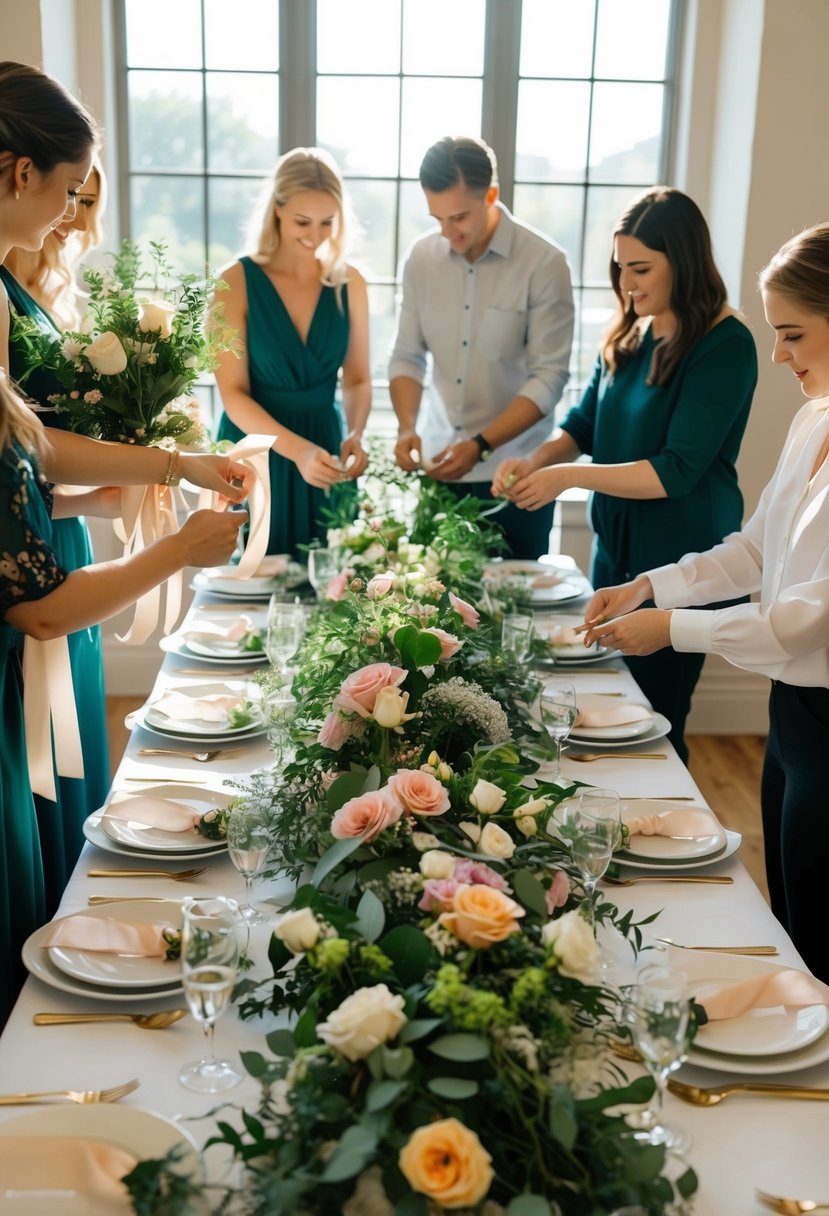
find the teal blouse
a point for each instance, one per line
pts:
(689, 429)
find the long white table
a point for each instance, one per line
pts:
(745, 1142)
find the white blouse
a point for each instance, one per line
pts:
(782, 552)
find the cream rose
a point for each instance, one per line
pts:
(534, 807)
(423, 841)
(367, 1018)
(366, 815)
(487, 798)
(447, 1162)
(495, 842)
(481, 916)
(419, 792)
(106, 354)
(434, 863)
(472, 830)
(571, 940)
(156, 315)
(390, 708)
(359, 692)
(299, 930)
(526, 825)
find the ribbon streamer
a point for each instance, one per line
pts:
(49, 712)
(147, 514)
(253, 452)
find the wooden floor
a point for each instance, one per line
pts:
(725, 767)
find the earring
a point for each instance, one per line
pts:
(17, 196)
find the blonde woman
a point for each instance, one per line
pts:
(302, 316)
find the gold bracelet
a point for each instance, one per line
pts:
(170, 477)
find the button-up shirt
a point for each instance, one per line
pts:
(782, 552)
(496, 328)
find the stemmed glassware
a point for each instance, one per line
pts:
(517, 635)
(248, 843)
(284, 632)
(657, 1011)
(594, 828)
(209, 962)
(557, 705)
(323, 564)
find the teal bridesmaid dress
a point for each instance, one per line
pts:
(296, 383)
(28, 571)
(61, 822)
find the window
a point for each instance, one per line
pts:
(576, 99)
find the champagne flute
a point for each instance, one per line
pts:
(558, 715)
(248, 843)
(657, 1012)
(209, 962)
(591, 848)
(517, 635)
(279, 709)
(323, 564)
(283, 633)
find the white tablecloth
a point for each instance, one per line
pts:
(741, 1144)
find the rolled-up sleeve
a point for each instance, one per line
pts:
(549, 332)
(408, 357)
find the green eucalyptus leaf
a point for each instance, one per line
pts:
(455, 1088)
(333, 856)
(410, 951)
(371, 916)
(462, 1047)
(529, 1205)
(278, 953)
(305, 1031)
(418, 1028)
(346, 786)
(281, 1043)
(397, 1061)
(254, 1063)
(529, 892)
(382, 1093)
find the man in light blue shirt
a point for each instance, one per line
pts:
(490, 300)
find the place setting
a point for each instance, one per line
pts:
(605, 721)
(537, 584)
(276, 572)
(159, 823)
(211, 713)
(663, 836)
(225, 643)
(558, 644)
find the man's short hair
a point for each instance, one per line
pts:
(460, 160)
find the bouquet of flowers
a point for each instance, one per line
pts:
(128, 372)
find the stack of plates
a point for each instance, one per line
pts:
(655, 726)
(101, 975)
(131, 838)
(220, 581)
(671, 853)
(199, 730)
(216, 651)
(539, 584)
(563, 653)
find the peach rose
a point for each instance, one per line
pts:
(449, 644)
(420, 793)
(335, 731)
(447, 1162)
(336, 588)
(359, 691)
(366, 815)
(558, 892)
(481, 916)
(469, 615)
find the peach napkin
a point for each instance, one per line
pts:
(564, 635)
(212, 708)
(545, 580)
(109, 936)
(66, 1163)
(615, 715)
(791, 988)
(272, 566)
(212, 631)
(153, 812)
(672, 823)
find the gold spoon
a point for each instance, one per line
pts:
(147, 1021)
(790, 1207)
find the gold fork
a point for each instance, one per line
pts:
(81, 1096)
(176, 875)
(202, 757)
(790, 1207)
(722, 879)
(699, 1095)
(586, 757)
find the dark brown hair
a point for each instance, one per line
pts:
(451, 161)
(39, 119)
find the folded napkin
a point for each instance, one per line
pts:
(615, 715)
(66, 1163)
(672, 823)
(153, 812)
(212, 708)
(563, 635)
(546, 580)
(272, 566)
(212, 631)
(107, 936)
(792, 988)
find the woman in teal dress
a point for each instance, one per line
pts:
(662, 419)
(302, 317)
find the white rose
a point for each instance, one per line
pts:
(487, 798)
(367, 1018)
(495, 842)
(526, 825)
(572, 942)
(299, 930)
(534, 807)
(423, 841)
(390, 708)
(472, 830)
(437, 864)
(156, 315)
(444, 771)
(107, 355)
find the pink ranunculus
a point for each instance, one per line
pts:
(449, 644)
(335, 731)
(419, 793)
(366, 815)
(479, 872)
(379, 585)
(469, 615)
(359, 691)
(557, 893)
(336, 588)
(438, 894)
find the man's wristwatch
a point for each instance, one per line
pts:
(484, 450)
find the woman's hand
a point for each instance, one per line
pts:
(616, 601)
(509, 473)
(638, 633)
(541, 487)
(217, 473)
(352, 447)
(318, 467)
(408, 451)
(210, 537)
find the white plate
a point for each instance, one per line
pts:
(100, 968)
(137, 835)
(206, 741)
(227, 651)
(600, 734)
(574, 652)
(762, 1033)
(37, 960)
(219, 581)
(174, 644)
(140, 1132)
(582, 660)
(198, 728)
(670, 848)
(95, 834)
(658, 729)
(733, 840)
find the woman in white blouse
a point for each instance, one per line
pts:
(782, 553)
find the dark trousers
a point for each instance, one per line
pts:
(795, 803)
(527, 533)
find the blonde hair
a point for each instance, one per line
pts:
(800, 270)
(18, 422)
(298, 170)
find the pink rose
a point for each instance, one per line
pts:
(336, 588)
(449, 644)
(379, 586)
(469, 615)
(359, 692)
(557, 893)
(419, 793)
(366, 815)
(335, 731)
(438, 894)
(479, 872)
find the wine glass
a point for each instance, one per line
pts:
(284, 632)
(591, 848)
(209, 962)
(557, 705)
(323, 564)
(517, 635)
(248, 843)
(657, 1012)
(279, 709)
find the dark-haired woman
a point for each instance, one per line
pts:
(662, 418)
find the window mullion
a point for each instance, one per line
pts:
(297, 74)
(502, 49)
